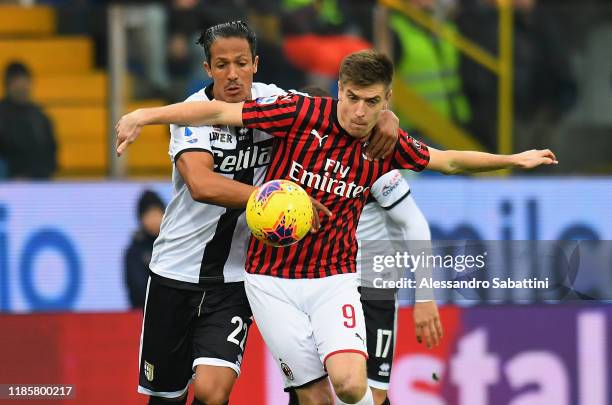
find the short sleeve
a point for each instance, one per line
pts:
(183, 139)
(274, 115)
(390, 189)
(265, 90)
(410, 153)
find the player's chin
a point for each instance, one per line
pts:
(235, 97)
(359, 133)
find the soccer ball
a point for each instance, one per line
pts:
(279, 213)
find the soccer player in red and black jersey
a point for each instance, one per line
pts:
(304, 297)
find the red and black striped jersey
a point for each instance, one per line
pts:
(313, 150)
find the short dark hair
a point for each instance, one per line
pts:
(314, 91)
(365, 68)
(14, 70)
(232, 29)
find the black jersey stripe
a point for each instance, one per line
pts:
(325, 246)
(311, 249)
(302, 143)
(250, 107)
(179, 153)
(279, 167)
(327, 232)
(217, 250)
(399, 200)
(332, 252)
(302, 146)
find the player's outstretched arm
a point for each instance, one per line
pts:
(413, 226)
(455, 162)
(194, 113)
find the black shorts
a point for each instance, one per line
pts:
(184, 328)
(380, 314)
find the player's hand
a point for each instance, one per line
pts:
(316, 208)
(384, 136)
(427, 324)
(534, 158)
(128, 128)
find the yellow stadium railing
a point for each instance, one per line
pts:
(425, 118)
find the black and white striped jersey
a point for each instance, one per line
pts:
(202, 244)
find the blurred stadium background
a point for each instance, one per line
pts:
(494, 75)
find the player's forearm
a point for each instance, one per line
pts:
(453, 162)
(196, 113)
(474, 162)
(416, 239)
(419, 250)
(423, 274)
(218, 190)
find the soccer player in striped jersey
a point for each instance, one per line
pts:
(197, 314)
(390, 214)
(304, 296)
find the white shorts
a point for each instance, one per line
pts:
(304, 321)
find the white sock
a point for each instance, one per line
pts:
(367, 399)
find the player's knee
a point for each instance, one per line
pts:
(212, 395)
(213, 385)
(350, 388)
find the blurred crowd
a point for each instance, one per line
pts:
(562, 65)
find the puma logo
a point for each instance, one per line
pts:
(319, 137)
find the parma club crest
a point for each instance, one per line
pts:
(149, 370)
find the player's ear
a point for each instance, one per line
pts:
(339, 89)
(388, 95)
(255, 64)
(207, 69)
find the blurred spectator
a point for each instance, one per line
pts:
(428, 63)
(146, 24)
(318, 34)
(185, 18)
(263, 16)
(138, 255)
(544, 86)
(27, 143)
